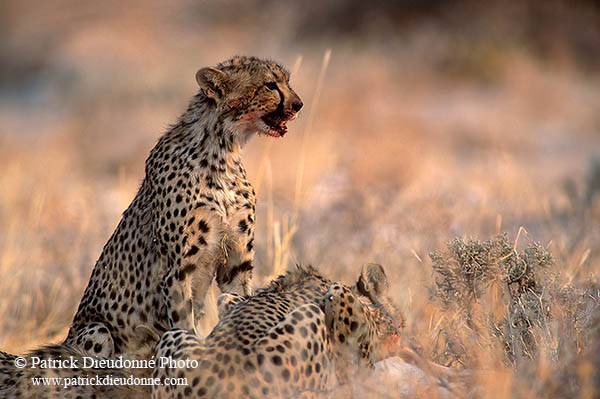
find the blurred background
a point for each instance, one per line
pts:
(432, 120)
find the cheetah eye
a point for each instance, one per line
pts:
(330, 297)
(271, 85)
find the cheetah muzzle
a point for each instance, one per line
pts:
(276, 122)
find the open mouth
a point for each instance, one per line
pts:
(276, 124)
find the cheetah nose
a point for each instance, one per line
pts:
(297, 105)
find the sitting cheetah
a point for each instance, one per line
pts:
(193, 216)
(191, 220)
(294, 338)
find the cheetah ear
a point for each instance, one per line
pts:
(372, 282)
(213, 82)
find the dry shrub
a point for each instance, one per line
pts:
(494, 293)
(505, 306)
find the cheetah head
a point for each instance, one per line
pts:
(251, 95)
(362, 322)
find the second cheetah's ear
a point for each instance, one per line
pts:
(213, 82)
(372, 282)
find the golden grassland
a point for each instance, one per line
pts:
(399, 150)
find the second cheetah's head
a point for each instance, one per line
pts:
(362, 321)
(252, 95)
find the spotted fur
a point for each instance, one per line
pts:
(191, 221)
(289, 340)
(193, 217)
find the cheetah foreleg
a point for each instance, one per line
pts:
(234, 276)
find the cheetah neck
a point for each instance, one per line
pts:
(205, 143)
(209, 130)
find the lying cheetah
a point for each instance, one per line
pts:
(294, 338)
(193, 216)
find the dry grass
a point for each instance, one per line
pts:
(405, 149)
